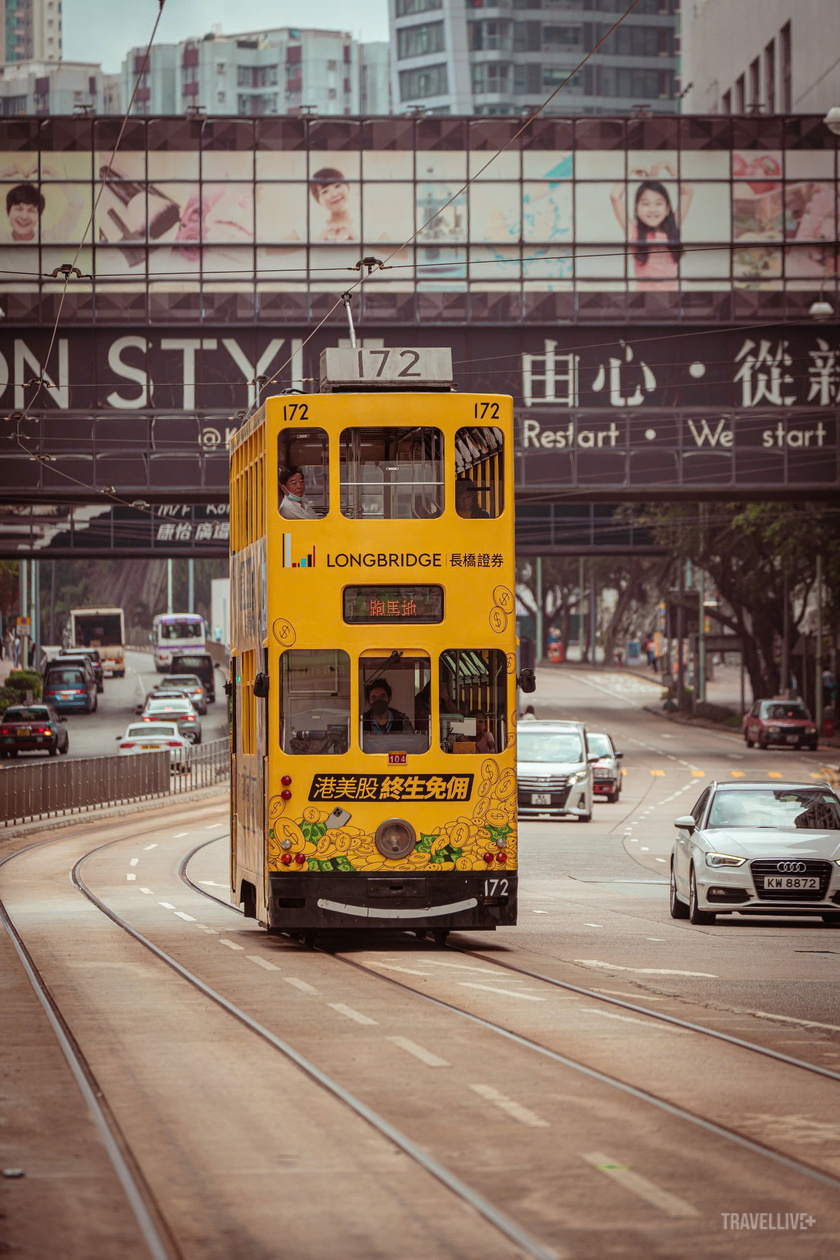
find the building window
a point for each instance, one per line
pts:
(564, 37)
(489, 36)
(490, 76)
(740, 95)
(787, 70)
(755, 86)
(415, 41)
(726, 102)
(528, 79)
(428, 81)
(770, 77)
(407, 7)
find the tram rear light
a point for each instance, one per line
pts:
(501, 857)
(286, 795)
(286, 859)
(488, 857)
(300, 859)
(286, 780)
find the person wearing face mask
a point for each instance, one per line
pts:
(293, 507)
(379, 718)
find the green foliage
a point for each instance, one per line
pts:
(23, 680)
(8, 696)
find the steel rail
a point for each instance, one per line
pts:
(141, 1199)
(506, 1226)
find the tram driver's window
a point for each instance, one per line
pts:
(394, 703)
(303, 463)
(479, 471)
(314, 702)
(472, 700)
(392, 473)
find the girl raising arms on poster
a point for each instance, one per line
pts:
(654, 228)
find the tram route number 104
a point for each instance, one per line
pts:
(495, 887)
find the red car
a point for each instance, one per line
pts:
(32, 728)
(780, 722)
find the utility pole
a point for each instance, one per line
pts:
(191, 585)
(36, 612)
(23, 575)
(581, 617)
(169, 607)
(593, 612)
(785, 688)
(539, 602)
(680, 635)
(818, 686)
(701, 642)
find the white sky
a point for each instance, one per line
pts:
(104, 30)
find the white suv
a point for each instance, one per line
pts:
(554, 770)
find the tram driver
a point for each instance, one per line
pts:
(380, 718)
(293, 507)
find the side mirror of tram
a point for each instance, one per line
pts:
(228, 688)
(261, 686)
(527, 681)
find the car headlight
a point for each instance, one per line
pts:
(723, 859)
(810, 730)
(774, 730)
(577, 776)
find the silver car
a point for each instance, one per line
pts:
(180, 711)
(605, 769)
(190, 684)
(753, 848)
(554, 770)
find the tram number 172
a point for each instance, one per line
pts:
(495, 887)
(486, 411)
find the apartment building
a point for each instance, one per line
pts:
(65, 87)
(508, 56)
(30, 30)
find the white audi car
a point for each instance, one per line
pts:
(143, 737)
(751, 848)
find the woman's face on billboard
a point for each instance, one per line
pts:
(333, 197)
(652, 208)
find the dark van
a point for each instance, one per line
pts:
(70, 688)
(200, 663)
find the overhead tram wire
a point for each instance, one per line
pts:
(362, 277)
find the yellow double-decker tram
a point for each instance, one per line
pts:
(374, 652)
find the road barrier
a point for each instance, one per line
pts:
(43, 789)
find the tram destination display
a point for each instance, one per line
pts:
(413, 605)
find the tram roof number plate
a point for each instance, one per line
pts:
(401, 368)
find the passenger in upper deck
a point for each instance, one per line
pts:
(466, 500)
(293, 485)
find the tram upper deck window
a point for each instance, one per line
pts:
(392, 473)
(479, 471)
(305, 454)
(314, 702)
(473, 700)
(393, 704)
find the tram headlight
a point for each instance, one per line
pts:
(395, 838)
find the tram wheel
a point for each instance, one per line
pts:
(309, 939)
(440, 936)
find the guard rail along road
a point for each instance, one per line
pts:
(42, 789)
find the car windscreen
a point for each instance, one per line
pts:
(181, 680)
(159, 729)
(549, 746)
(65, 678)
(170, 706)
(599, 744)
(778, 712)
(26, 715)
(808, 809)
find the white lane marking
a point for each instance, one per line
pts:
(210, 931)
(146, 847)
(211, 883)
(167, 905)
(515, 1109)
(600, 925)
(645, 848)
(212, 826)
(262, 962)
(790, 1019)
(539, 912)
(489, 988)
(147, 890)
(659, 939)
(134, 862)
(300, 984)
(482, 971)
(231, 944)
(658, 860)
(188, 918)
(419, 1052)
(627, 1019)
(598, 965)
(634, 996)
(341, 1009)
(668, 1203)
(130, 877)
(408, 971)
(180, 834)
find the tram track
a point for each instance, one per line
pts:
(731, 1135)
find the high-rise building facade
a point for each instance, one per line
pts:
(30, 30)
(259, 73)
(44, 88)
(761, 56)
(508, 56)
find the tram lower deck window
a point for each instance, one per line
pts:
(393, 704)
(314, 702)
(392, 473)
